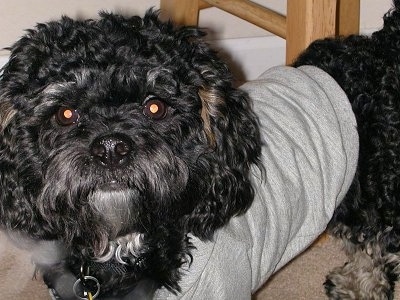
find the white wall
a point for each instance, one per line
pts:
(251, 48)
(3, 60)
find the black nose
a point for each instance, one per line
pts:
(111, 150)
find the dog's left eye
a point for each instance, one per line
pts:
(66, 116)
(155, 109)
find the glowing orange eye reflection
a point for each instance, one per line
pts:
(68, 114)
(154, 108)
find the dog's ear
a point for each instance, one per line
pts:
(232, 134)
(15, 208)
(220, 187)
(7, 169)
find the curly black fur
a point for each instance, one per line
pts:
(185, 172)
(368, 70)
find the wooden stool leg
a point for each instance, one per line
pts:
(348, 17)
(306, 21)
(182, 12)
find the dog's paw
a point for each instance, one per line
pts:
(335, 291)
(355, 282)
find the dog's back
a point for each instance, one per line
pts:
(358, 62)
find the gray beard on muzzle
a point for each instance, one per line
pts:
(115, 206)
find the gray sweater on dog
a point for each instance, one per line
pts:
(310, 155)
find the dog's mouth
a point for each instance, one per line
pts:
(112, 185)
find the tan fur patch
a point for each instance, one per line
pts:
(7, 112)
(210, 100)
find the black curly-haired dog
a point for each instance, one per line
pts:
(120, 136)
(368, 220)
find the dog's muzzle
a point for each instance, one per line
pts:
(111, 150)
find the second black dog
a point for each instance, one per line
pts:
(368, 220)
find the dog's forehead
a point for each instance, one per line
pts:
(113, 56)
(161, 81)
(147, 55)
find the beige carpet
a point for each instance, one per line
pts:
(16, 275)
(302, 279)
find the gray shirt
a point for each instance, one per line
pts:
(310, 156)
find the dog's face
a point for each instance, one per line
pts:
(120, 126)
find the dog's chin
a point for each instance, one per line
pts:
(114, 204)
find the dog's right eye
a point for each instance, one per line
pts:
(155, 109)
(66, 116)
